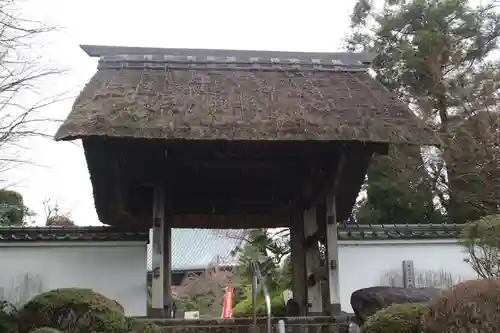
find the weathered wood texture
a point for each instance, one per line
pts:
(220, 184)
(298, 262)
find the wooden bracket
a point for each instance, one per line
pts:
(327, 186)
(311, 240)
(311, 280)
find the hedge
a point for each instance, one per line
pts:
(396, 318)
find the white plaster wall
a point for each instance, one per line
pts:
(362, 264)
(115, 269)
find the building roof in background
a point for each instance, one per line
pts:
(69, 234)
(354, 231)
(196, 249)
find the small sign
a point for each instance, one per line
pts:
(287, 295)
(192, 315)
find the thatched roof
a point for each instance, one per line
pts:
(238, 95)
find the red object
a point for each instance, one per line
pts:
(227, 310)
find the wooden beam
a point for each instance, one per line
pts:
(227, 180)
(234, 198)
(228, 208)
(193, 199)
(238, 189)
(248, 150)
(231, 221)
(244, 164)
(209, 221)
(222, 175)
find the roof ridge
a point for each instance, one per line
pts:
(101, 50)
(165, 62)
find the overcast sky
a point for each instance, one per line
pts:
(314, 25)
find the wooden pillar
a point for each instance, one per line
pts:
(298, 262)
(313, 263)
(158, 246)
(162, 245)
(331, 239)
(332, 249)
(167, 269)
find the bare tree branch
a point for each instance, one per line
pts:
(54, 216)
(22, 74)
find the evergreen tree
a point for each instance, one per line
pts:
(436, 56)
(12, 209)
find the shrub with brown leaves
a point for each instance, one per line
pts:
(471, 306)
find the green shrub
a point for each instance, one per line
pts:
(72, 309)
(396, 318)
(481, 239)
(8, 318)
(12, 208)
(244, 307)
(139, 326)
(471, 306)
(45, 330)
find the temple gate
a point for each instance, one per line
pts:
(236, 139)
